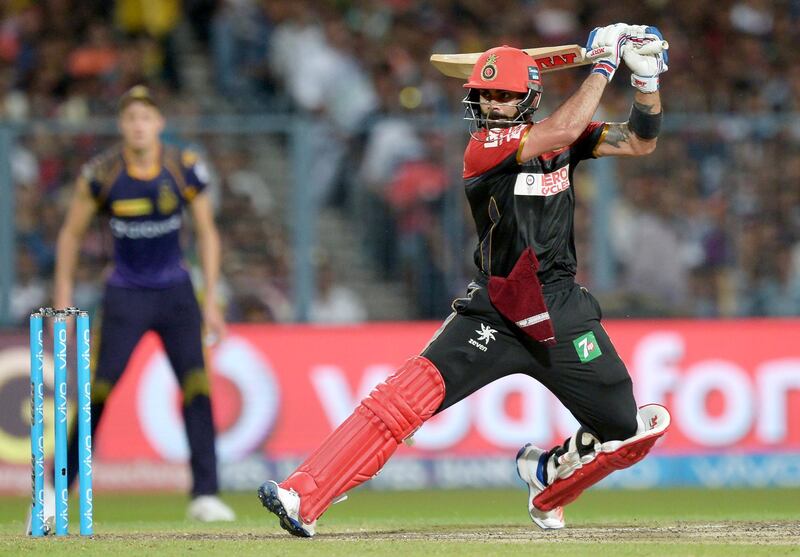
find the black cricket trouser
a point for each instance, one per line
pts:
(583, 371)
(173, 313)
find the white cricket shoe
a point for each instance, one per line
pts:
(531, 461)
(49, 510)
(285, 504)
(210, 508)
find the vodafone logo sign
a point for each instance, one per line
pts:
(507, 413)
(279, 391)
(717, 401)
(158, 402)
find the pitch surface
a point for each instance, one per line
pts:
(462, 523)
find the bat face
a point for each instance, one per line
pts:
(549, 58)
(567, 59)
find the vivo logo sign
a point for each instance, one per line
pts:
(64, 500)
(62, 403)
(88, 515)
(86, 409)
(87, 461)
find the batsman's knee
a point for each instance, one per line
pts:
(406, 399)
(195, 383)
(622, 425)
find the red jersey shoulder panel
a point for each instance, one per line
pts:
(489, 148)
(583, 145)
(589, 129)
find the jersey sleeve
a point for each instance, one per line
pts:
(491, 149)
(89, 175)
(195, 173)
(99, 174)
(584, 146)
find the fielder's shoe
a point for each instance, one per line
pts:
(49, 510)
(531, 462)
(285, 504)
(210, 508)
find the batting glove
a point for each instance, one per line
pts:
(604, 46)
(645, 68)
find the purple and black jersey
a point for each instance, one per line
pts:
(516, 205)
(146, 214)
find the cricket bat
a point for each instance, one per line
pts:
(549, 58)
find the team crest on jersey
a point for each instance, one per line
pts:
(167, 200)
(489, 70)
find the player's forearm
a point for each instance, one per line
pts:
(649, 102)
(210, 257)
(568, 121)
(67, 248)
(572, 117)
(644, 122)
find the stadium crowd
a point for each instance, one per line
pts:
(709, 225)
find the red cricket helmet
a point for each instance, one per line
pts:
(506, 68)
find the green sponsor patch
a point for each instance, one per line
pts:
(587, 348)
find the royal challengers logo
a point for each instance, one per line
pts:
(167, 200)
(489, 70)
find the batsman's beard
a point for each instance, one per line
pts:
(496, 119)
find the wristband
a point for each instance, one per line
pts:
(644, 125)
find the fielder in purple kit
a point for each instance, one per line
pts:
(144, 187)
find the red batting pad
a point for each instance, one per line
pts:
(565, 490)
(362, 444)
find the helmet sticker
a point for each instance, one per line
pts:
(533, 73)
(489, 70)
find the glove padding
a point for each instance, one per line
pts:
(645, 68)
(604, 46)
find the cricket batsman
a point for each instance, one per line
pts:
(144, 187)
(523, 313)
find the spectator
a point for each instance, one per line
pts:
(715, 189)
(335, 303)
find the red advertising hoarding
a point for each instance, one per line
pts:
(733, 387)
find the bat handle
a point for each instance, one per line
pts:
(652, 47)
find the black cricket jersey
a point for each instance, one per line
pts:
(516, 205)
(146, 213)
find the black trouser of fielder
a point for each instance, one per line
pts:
(596, 389)
(173, 313)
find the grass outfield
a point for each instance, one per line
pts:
(430, 523)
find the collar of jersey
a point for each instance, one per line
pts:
(148, 174)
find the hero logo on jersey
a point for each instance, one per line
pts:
(551, 183)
